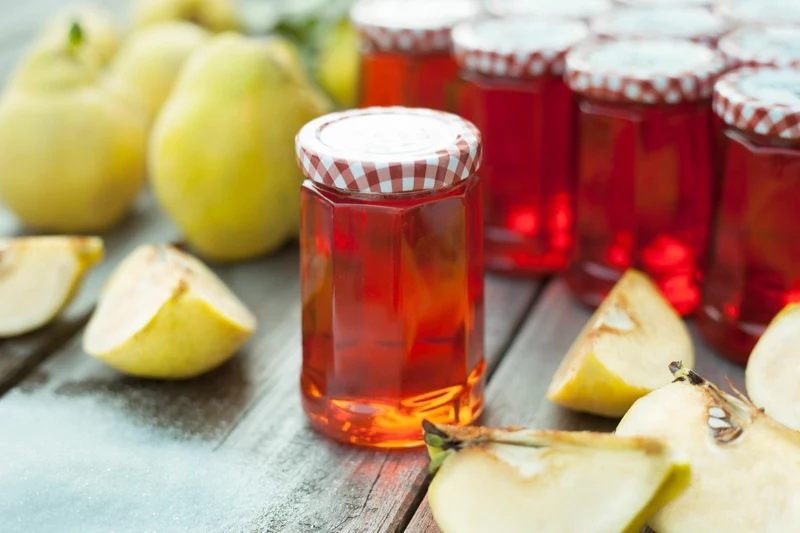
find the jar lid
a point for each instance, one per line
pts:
(410, 25)
(777, 46)
(649, 71)
(517, 48)
(667, 3)
(763, 100)
(389, 149)
(575, 9)
(759, 12)
(692, 23)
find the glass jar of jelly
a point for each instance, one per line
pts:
(754, 268)
(752, 46)
(513, 90)
(692, 23)
(550, 9)
(739, 13)
(406, 50)
(392, 273)
(644, 177)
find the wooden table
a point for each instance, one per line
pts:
(84, 449)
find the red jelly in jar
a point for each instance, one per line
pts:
(513, 90)
(406, 50)
(753, 46)
(759, 12)
(754, 268)
(692, 23)
(644, 177)
(391, 273)
(551, 9)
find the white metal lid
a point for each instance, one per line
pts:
(516, 47)
(763, 100)
(668, 3)
(412, 25)
(577, 9)
(389, 149)
(750, 12)
(644, 71)
(692, 23)
(777, 46)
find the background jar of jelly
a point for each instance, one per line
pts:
(754, 268)
(513, 90)
(391, 273)
(406, 50)
(644, 176)
(752, 46)
(660, 21)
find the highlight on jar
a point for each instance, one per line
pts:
(391, 273)
(405, 50)
(512, 88)
(755, 253)
(644, 178)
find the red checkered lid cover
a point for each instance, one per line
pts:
(575, 9)
(692, 23)
(763, 100)
(668, 3)
(410, 25)
(384, 150)
(777, 46)
(647, 71)
(516, 47)
(759, 12)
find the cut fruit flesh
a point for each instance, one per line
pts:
(39, 276)
(773, 369)
(745, 465)
(164, 314)
(623, 351)
(519, 480)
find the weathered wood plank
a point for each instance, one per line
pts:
(18, 355)
(515, 396)
(248, 409)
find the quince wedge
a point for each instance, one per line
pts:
(623, 351)
(163, 314)
(39, 276)
(745, 465)
(222, 160)
(519, 480)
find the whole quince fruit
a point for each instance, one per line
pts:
(338, 64)
(151, 59)
(222, 159)
(214, 15)
(100, 32)
(74, 150)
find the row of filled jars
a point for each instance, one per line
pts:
(602, 150)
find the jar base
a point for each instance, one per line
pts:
(381, 424)
(728, 337)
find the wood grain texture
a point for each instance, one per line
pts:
(250, 409)
(145, 224)
(515, 395)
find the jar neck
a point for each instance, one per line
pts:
(764, 140)
(367, 197)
